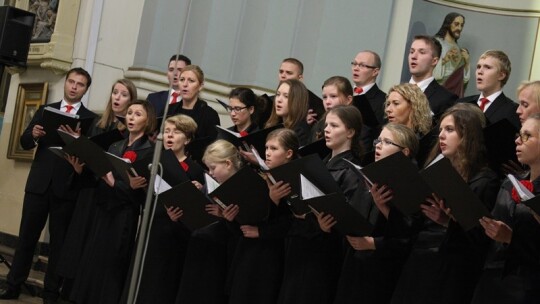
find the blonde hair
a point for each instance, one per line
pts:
(184, 123)
(108, 115)
(404, 137)
(503, 63)
(534, 86)
(221, 151)
(421, 113)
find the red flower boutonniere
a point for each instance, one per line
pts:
(185, 166)
(515, 195)
(130, 155)
(243, 133)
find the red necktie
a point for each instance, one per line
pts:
(174, 97)
(184, 166)
(483, 102)
(69, 108)
(358, 90)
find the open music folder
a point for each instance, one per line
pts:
(247, 189)
(446, 182)
(255, 139)
(54, 118)
(191, 201)
(400, 174)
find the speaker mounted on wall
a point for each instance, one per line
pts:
(16, 27)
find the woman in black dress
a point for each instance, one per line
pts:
(107, 254)
(314, 254)
(512, 270)
(449, 274)
(123, 93)
(257, 266)
(168, 239)
(210, 248)
(373, 263)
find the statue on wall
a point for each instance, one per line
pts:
(452, 71)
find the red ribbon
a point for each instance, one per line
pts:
(185, 166)
(243, 133)
(515, 195)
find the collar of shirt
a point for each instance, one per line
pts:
(365, 88)
(423, 84)
(491, 98)
(171, 97)
(76, 106)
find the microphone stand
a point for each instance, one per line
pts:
(144, 227)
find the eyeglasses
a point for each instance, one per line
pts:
(362, 65)
(386, 142)
(523, 137)
(235, 109)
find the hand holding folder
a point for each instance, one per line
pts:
(446, 182)
(247, 190)
(54, 118)
(190, 200)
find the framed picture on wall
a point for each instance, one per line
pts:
(30, 96)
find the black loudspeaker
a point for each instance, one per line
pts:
(16, 27)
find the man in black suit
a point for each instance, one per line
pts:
(47, 193)
(423, 57)
(159, 99)
(292, 68)
(492, 72)
(368, 98)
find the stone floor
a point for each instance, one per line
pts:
(25, 297)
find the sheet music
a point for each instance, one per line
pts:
(160, 185)
(211, 184)
(436, 159)
(308, 189)
(523, 192)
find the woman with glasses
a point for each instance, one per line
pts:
(373, 263)
(448, 273)
(242, 108)
(512, 270)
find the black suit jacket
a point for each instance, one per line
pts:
(439, 98)
(158, 100)
(49, 170)
(373, 117)
(501, 108)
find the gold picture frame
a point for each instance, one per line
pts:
(30, 96)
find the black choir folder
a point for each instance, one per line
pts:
(401, 175)
(446, 182)
(88, 152)
(54, 118)
(192, 202)
(533, 203)
(106, 139)
(249, 191)
(317, 147)
(500, 143)
(173, 173)
(314, 170)
(256, 139)
(348, 220)
(125, 168)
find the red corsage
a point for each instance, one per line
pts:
(185, 166)
(243, 133)
(130, 155)
(515, 195)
